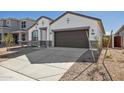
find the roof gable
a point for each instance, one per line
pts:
(120, 29)
(44, 17)
(40, 19)
(81, 15)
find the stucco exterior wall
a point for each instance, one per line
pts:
(13, 23)
(122, 38)
(42, 23)
(5, 29)
(100, 35)
(77, 21)
(1, 23)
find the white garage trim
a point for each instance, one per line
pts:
(69, 29)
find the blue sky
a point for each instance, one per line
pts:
(112, 20)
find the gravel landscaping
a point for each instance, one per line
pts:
(112, 69)
(115, 64)
(74, 71)
(96, 72)
(86, 72)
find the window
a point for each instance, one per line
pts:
(23, 24)
(7, 22)
(4, 23)
(35, 35)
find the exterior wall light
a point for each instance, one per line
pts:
(68, 20)
(43, 23)
(92, 33)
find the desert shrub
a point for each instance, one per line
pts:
(122, 52)
(105, 41)
(109, 56)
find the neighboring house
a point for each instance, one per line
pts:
(119, 37)
(39, 33)
(69, 30)
(15, 26)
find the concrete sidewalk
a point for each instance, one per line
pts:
(47, 71)
(8, 75)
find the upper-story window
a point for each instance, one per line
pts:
(23, 24)
(7, 22)
(4, 23)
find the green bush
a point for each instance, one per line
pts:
(109, 56)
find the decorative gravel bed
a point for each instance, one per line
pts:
(112, 69)
(74, 71)
(96, 72)
(115, 64)
(86, 72)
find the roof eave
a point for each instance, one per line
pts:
(93, 18)
(120, 29)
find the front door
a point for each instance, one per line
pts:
(16, 38)
(44, 35)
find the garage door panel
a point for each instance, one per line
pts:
(76, 39)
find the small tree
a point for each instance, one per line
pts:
(8, 39)
(105, 41)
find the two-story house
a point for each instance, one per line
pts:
(18, 27)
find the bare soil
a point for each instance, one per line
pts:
(111, 69)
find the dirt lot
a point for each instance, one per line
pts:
(114, 62)
(112, 69)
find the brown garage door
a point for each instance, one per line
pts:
(74, 39)
(117, 41)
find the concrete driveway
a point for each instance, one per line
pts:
(44, 64)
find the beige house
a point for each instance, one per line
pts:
(39, 34)
(68, 30)
(119, 37)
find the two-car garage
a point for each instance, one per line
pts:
(73, 39)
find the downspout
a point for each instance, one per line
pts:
(47, 37)
(113, 40)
